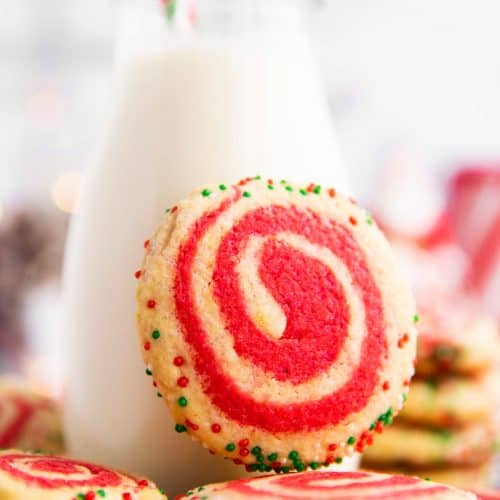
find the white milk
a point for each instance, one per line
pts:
(199, 111)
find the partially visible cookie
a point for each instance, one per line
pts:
(328, 485)
(26, 476)
(487, 494)
(275, 323)
(475, 476)
(456, 341)
(29, 420)
(424, 447)
(448, 402)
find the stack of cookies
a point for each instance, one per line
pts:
(447, 430)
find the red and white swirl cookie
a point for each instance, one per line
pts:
(275, 324)
(28, 420)
(328, 485)
(29, 476)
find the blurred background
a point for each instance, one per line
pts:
(413, 92)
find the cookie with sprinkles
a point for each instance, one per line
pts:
(415, 446)
(450, 402)
(328, 485)
(29, 476)
(29, 420)
(275, 324)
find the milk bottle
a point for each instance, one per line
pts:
(238, 97)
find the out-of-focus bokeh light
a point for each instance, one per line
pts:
(66, 191)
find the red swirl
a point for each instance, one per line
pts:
(315, 307)
(317, 484)
(27, 468)
(23, 411)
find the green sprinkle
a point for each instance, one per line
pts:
(261, 467)
(182, 401)
(285, 469)
(270, 186)
(246, 194)
(149, 372)
(272, 457)
(256, 450)
(158, 394)
(405, 397)
(155, 334)
(416, 318)
(171, 8)
(102, 493)
(289, 188)
(351, 440)
(317, 189)
(299, 466)
(369, 220)
(372, 426)
(230, 447)
(180, 428)
(314, 465)
(338, 460)
(254, 467)
(293, 455)
(189, 493)
(282, 181)
(81, 496)
(257, 178)
(167, 210)
(303, 192)
(260, 458)
(201, 488)
(427, 478)
(206, 192)
(443, 434)
(222, 187)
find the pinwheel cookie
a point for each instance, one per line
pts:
(327, 485)
(275, 324)
(447, 402)
(38, 477)
(425, 447)
(28, 420)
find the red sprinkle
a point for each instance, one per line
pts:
(332, 193)
(248, 468)
(174, 209)
(90, 495)
(276, 465)
(403, 340)
(146, 244)
(147, 346)
(369, 440)
(270, 181)
(379, 427)
(332, 447)
(406, 383)
(138, 274)
(151, 304)
(182, 381)
(126, 496)
(360, 447)
(353, 220)
(386, 385)
(330, 459)
(244, 452)
(243, 443)
(212, 452)
(178, 361)
(216, 428)
(155, 384)
(237, 461)
(310, 188)
(193, 426)
(143, 483)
